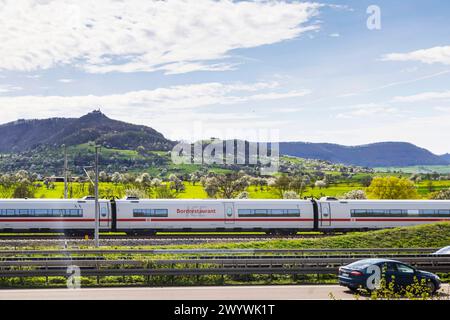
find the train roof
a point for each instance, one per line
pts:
(228, 200)
(386, 201)
(218, 200)
(46, 200)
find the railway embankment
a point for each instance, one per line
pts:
(434, 235)
(145, 265)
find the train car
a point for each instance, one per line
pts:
(148, 216)
(272, 216)
(347, 215)
(42, 215)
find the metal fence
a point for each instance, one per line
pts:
(215, 265)
(220, 251)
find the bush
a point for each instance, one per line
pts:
(441, 195)
(355, 195)
(392, 188)
(290, 195)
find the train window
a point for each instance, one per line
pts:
(104, 211)
(41, 212)
(434, 213)
(161, 212)
(268, 212)
(277, 211)
(260, 211)
(399, 213)
(58, 212)
(150, 212)
(245, 211)
(75, 213)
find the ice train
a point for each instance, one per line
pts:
(148, 216)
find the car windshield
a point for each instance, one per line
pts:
(404, 268)
(360, 264)
(445, 250)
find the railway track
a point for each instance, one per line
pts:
(162, 237)
(19, 240)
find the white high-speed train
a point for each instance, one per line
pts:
(148, 216)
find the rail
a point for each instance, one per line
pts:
(173, 267)
(216, 251)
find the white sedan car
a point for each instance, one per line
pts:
(445, 250)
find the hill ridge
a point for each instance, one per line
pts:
(24, 135)
(378, 154)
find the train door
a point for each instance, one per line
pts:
(325, 214)
(105, 215)
(229, 212)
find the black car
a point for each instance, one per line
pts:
(360, 274)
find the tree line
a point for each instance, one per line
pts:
(23, 184)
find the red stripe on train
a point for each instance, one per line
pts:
(52, 220)
(222, 219)
(47, 220)
(404, 219)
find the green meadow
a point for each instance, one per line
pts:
(197, 192)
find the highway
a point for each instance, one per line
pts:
(301, 292)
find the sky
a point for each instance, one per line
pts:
(331, 71)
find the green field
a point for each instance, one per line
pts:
(197, 192)
(416, 169)
(105, 152)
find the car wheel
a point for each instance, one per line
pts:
(353, 289)
(431, 287)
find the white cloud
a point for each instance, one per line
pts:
(334, 35)
(430, 56)
(9, 88)
(289, 110)
(175, 100)
(430, 132)
(65, 80)
(426, 96)
(175, 36)
(442, 109)
(394, 84)
(32, 76)
(366, 110)
(173, 110)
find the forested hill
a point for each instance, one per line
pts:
(27, 135)
(381, 154)
(23, 135)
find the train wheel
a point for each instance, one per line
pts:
(73, 233)
(133, 233)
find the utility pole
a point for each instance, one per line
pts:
(97, 208)
(65, 172)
